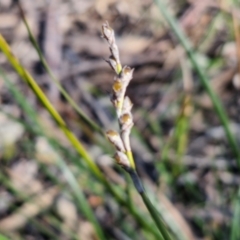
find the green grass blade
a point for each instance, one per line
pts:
(53, 77)
(2, 237)
(119, 196)
(83, 204)
(202, 76)
(155, 215)
(39, 93)
(235, 233)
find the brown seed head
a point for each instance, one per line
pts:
(126, 74)
(122, 159)
(117, 86)
(126, 118)
(126, 121)
(115, 139)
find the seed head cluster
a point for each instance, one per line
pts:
(121, 103)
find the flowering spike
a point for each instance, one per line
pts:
(122, 104)
(114, 61)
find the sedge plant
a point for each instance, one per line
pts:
(118, 194)
(121, 141)
(118, 69)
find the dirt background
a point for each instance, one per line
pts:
(190, 167)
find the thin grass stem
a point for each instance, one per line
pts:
(202, 76)
(235, 233)
(81, 200)
(155, 215)
(53, 77)
(119, 196)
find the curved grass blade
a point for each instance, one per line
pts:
(82, 202)
(202, 76)
(235, 233)
(53, 77)
(119, 196)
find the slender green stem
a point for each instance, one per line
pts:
(202, 76)
(81, 200)
(53, 77)
(131, 159)
(84, 205)
(131, 168)
(135, 212)
(119, 196)
(155, 215)
(205, 82)
(152, 210)
(235, 233)
(25, 75)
